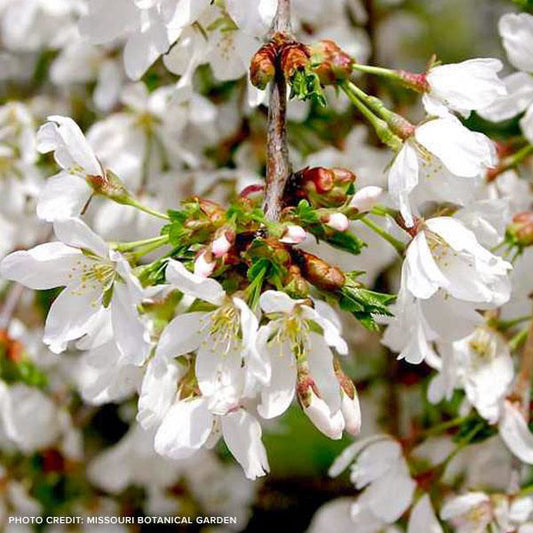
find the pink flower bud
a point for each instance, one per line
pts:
(338, 221)
(293, 235)
(351, 412)
(319, 413)
(220, 246)
(366, 198)
(204, 265)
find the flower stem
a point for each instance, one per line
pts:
(399, 246)
(509, 162)
(383, 131)
(128, 246)
(135, 203)
(378, 71)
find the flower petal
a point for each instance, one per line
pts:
(183, 335)
(206, 289)
(242, 434)
(63, 196)
(185, 429)
(44, 267)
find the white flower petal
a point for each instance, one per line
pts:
(44, 267)
(190, 284)
(514, 431)
(74, 232)
(63, 196)
(185, 429)
(182, 335)
(242, 434)
(517, 35)
(422, 518)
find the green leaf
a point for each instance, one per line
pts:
(364, 304)
(305, 85)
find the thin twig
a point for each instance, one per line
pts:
(10, 305)
(278, 164)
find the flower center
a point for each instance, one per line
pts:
(224, 327)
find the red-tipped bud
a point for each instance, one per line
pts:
(204, 264)
(350, 408)
(366, 198)
(293, 235)
(223, 243)
(263, 65)
(520, 231)
(330, 63)
(338, 221)
(316, 409)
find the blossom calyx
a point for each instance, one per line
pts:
(330, 63)
(110, 186)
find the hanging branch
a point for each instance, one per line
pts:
(278, 164)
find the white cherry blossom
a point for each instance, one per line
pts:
(97, 281)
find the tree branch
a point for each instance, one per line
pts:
(278, 164)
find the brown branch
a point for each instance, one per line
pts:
(10, 305)
(278, 164)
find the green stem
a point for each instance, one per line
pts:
(511, 161)
(399, 125)
(135, 203)
(436, 430)
(380, 126)
(150, 247)
(128, 246)
(507, 324)
(378, 71)
(518, 340)
(399, 246)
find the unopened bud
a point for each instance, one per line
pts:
(520, 231)
(316, 409)
(204, 264)
(263, 65)
(338, 221)
(325, 187)
(294, 57)
(222, 244)
(366, 198)
(293, 235)
(295, 284)
(319, 273)
(350, 408)
(331, 64)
